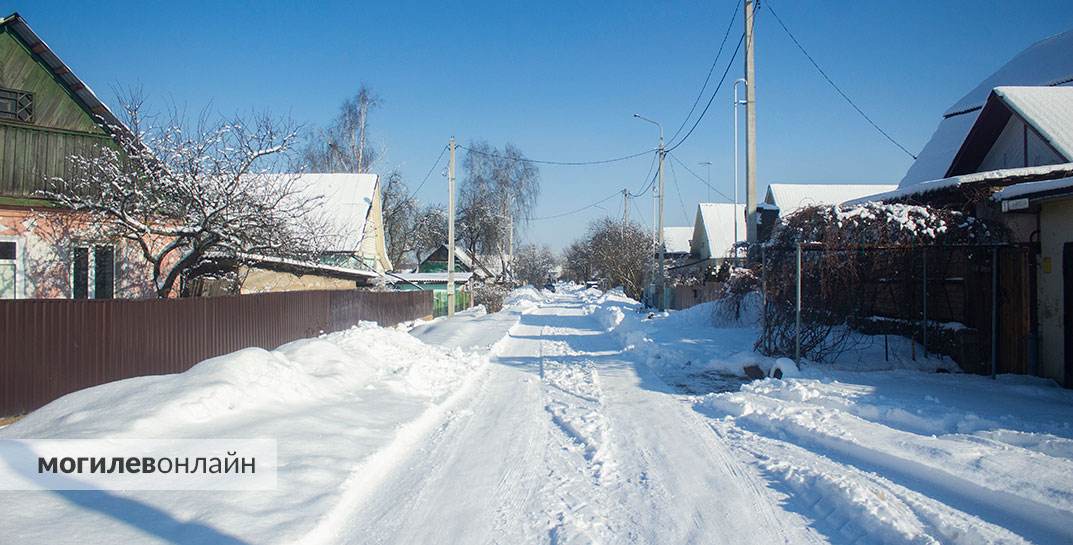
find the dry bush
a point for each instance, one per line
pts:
(857, 245)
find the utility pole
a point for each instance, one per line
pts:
(734, 109)
(750, 123)
(660, 272)
(625, 206)
(451, 230)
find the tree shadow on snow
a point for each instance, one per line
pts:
(136, 514)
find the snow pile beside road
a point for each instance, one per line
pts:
(868, 454)
(523, 299)
(332, 403)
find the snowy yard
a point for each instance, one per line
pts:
(574, 418)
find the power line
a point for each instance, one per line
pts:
(698, 176)
(582, 209)
(678, 190)
(715, 61)
(835, 86)
(561, 163)
(649, 182)
(430, 171)
(640, 214)
(714, 93)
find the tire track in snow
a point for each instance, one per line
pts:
(578, 509)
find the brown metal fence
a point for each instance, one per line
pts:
(49, 348)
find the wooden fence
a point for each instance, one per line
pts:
(49, 348)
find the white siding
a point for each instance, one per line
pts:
(1009, 149)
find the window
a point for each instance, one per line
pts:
(17, 105)
(97, 274)
(8, 263)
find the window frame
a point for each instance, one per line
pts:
(91, 248)
(16, 96)
(20, 251)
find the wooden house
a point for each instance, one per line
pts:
(48, 114)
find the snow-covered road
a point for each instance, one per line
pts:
(567, 441)
(576, 418)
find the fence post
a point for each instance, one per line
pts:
(763, 288)
(994, 311)
(797, 317)
(924, 325)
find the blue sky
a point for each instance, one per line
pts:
(562, 80)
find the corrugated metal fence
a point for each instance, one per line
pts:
(49, 348)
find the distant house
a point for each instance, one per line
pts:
(436, 261)
(714, 231)
(431, 275)
(676, 242)
(351, 204)
(46, 114)
(356, 255)
(1005, 152)
(784, 199)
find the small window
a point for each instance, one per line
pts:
(98, 274)
(8, 268)
(17, 105)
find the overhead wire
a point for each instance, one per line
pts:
(561, 163)
(678, 190)
(715, 93)
(835, 86)
(711, 70)
(582, 209)
(698, 177)
(430, 171)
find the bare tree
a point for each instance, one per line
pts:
(619, 253)
(498, 194)
(400, 217)
(343, 145)
(577, 261)
(430, 229)
(533, 265)
(184, 192)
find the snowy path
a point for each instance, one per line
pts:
(565, 441)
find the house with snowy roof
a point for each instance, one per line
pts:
(676, 242)
(783, 199)
(1004, 152)
(355, 249)
(716, 228)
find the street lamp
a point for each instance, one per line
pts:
(660, 298)
(734, 108)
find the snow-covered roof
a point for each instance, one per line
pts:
(1005, 174)
(1048, 62)
(676, 239)
(1031, 188)
(307, 265)
(715, 225)
(346, 201)
(790, 197)
(460, 277)
(1049, 110)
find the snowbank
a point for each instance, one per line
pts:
(870, 453)
(331, 403)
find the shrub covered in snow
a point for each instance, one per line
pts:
(490, 295)
(850, 250)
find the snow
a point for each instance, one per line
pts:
(1045, 63)
(345, 203)
(790, 197)
(713, 230)
(1049, 110)
(577, 417)
(1005, 175)
(460, 277)
(676, 239)
(1029, 188)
